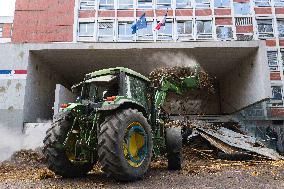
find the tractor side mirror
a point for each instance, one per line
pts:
(104, 93)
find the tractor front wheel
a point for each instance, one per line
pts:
(125, 145)
(59, 159)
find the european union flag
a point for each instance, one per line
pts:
(140, 24)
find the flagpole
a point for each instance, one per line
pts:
(135, 20)
(155, 32)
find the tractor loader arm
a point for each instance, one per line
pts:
(180, 87)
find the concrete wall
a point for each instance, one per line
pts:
(62, 95)
(12, 86)
(40, 90)
(245, 83)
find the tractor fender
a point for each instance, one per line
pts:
(124, 104)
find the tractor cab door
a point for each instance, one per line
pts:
(137, 90)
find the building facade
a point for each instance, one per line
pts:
(192, 20)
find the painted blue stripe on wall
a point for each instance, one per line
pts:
(5, 71)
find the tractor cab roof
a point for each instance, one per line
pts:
(116, 70)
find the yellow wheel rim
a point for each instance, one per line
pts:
(70, 150)
(135, 144)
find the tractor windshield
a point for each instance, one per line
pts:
(99, 88)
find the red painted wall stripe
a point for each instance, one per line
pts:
(279, 10)
(203, 12)
(259, 10)
(106, 13)
(163, 12)
(124, 13)
(244, 29)
(270, 42)
(87, 13)
(222, 11)
(275, 76)
(148, 13)
(275, 112)
(223, 21)
(21, 71)
(184, 12)
(281, 42)
(7, 28)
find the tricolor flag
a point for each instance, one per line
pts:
(162, 22)
(140, 24)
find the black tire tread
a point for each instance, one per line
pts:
(56, 158)
(108, 158)
(174, 149)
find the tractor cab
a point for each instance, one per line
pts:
(109, 83)
(100, 88)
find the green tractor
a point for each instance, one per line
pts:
(117, 121)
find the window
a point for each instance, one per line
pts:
(276, 92)
(164, 4)
(125, 4)
(136, 89)
(204, 29)
(1, 30)
(262, 3)
(280, 24)
(244, 36)
(125, 31)
(279, 3)
(181, 4)
(106, 4)
(224, 32)
(146, 33)
(265, 28)
(87, 5)
(282, 55)
(242, 8)
(243, 21)
(272, 60)
(184, 29)
(166, 32)
(255, 110)
(145, 4)
(105, 31)
(86, 29)
(202, 3)
(221, 3)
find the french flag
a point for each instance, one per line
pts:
(162, 22)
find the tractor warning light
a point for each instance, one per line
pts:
(64, 106)
(111, 98)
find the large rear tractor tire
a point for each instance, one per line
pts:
(174, 148)
(125, 145)
(57, 157)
